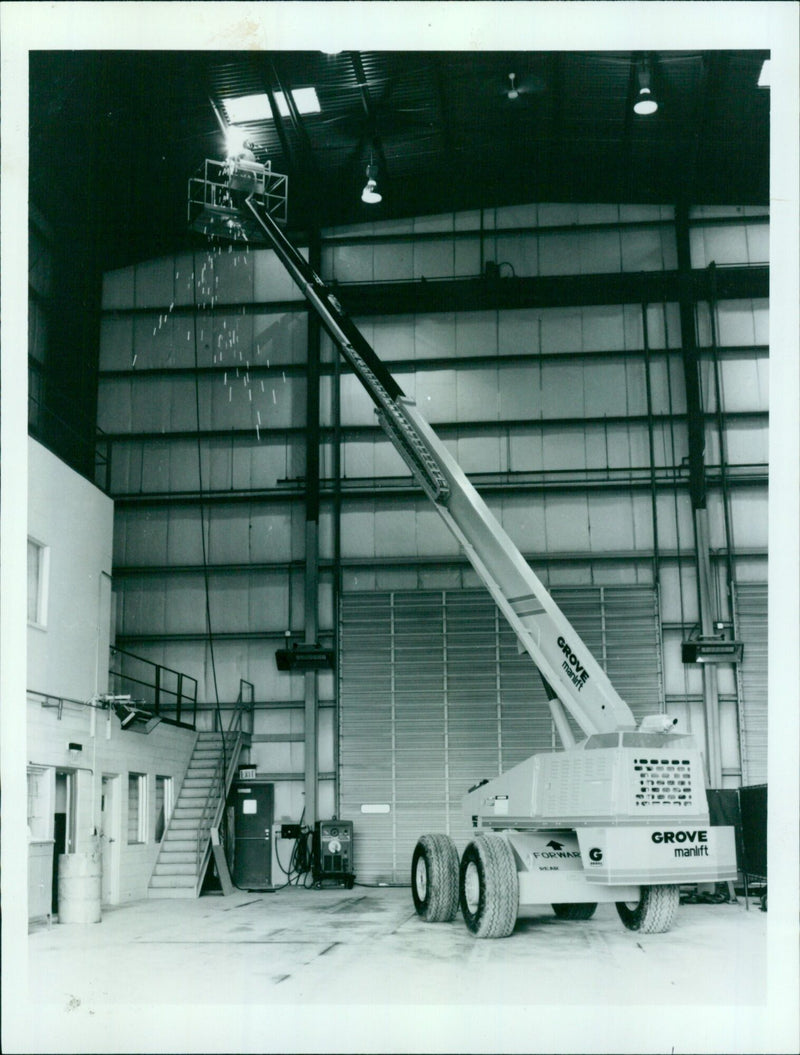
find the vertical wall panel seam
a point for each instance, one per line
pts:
(394, 735)
(446, 714)
(743, 746)
(498, 691)
(604, 659)
(662, 700)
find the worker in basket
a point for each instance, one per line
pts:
(245, 174)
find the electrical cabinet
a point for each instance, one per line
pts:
(253, 810)
(333, 852)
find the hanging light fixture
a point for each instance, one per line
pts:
(370, 194)
(645, 100)
(513, 90)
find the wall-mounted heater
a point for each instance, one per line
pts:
(305, 657)
(711, 650)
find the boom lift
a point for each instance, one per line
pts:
(619, 816)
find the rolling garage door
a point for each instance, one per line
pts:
(751, 613)
(434, 696)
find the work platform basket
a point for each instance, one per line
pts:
(217, 192)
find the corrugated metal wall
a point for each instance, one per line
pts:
(751, 609)
(435, 696)
(545, 406)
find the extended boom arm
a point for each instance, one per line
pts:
(571, 674)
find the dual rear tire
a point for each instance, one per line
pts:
(485, 886)
(434, 878)
(489, 887)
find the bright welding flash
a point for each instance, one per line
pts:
(234, 141)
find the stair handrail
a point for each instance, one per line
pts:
(220, 782)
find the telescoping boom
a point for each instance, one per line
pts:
(574, 677)
(620, 816)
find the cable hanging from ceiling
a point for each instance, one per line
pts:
(200, 492)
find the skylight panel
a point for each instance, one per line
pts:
(305, 99)
(256, 107)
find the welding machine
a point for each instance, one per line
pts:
(333, 852)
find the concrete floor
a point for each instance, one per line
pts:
(284, 960)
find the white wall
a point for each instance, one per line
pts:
(68, 659)
(74, 520)
(108, 749)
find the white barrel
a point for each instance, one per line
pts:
(79, 887)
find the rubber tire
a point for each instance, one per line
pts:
(498, 887)
(580, 910)
(436, 856)
(655, 911)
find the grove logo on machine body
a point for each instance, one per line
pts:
(697, 837)
(577, 673)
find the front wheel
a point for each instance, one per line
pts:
(434, 878)
(576, 911)
(489, 887)
(654, 912)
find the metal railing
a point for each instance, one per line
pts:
(215, 191)
(240, 724)
(167, 693)
(86, 450)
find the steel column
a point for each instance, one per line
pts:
(697, 487)
(311, 580)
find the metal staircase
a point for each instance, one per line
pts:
(186, 847)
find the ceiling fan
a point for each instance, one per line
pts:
(527, 84)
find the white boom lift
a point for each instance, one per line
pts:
(619, 816)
